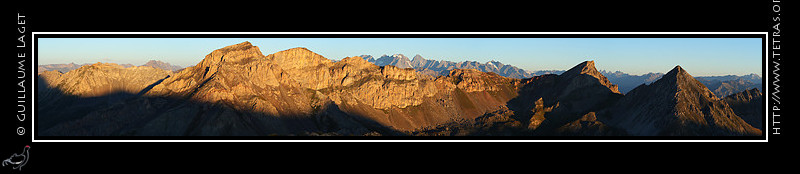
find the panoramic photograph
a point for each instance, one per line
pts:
(522, 87)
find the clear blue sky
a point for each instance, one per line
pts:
(699, 56)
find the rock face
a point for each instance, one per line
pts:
(103, 78)
(676, 104)
(749, 105)
(472, 80)
(236, 90)
(588, 125)
(730, 87)
(564, 98)
(545, 105)
(584, 72)
(71, 95)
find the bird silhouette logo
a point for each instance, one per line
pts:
(16, 161)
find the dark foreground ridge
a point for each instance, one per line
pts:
(237, 91)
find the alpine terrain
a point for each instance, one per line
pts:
(238, 91)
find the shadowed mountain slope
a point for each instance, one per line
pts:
(676, 104)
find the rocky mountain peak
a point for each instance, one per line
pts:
(102, 65)
(241, 53)
(684, 83)
(104, 78)
(436, 68)
(153, 62)
(368, 58)
(746, 95)
(399, 56)
(355, 63)
(354, 59)
(297, 50)
(298, 58)
(398, 60)
(677, 71)
(161, 65)
(417, 58)
(238, 53)
(678, 83)
(748, 105)
(677, 104)
(243, 45)
(497, 64)
(418, 61)
(588, 68)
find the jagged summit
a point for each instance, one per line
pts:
(398, 55)
(238, 53)
(355, 61)
(684, 82)
(161, 65)
(748, 105)
(240, 46)
(104, 78)
(677, 104)
(298, 49)
(297, 58)
(368, 58)
(436, 68)
(680, 76)
(418, 61)
(678, 67)
(418, 57)
(398, 60)
(102, 65)
(745, 95)
(588, 68)
(347, 59)
(677, 71)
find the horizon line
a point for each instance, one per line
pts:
(600, 70)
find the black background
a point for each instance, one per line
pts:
(224, 16)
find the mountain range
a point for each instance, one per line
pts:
(162, 65)
(238, 91)
(442, 67)
(63, 68)
(721, 85)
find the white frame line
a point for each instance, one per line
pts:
(33, 80)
